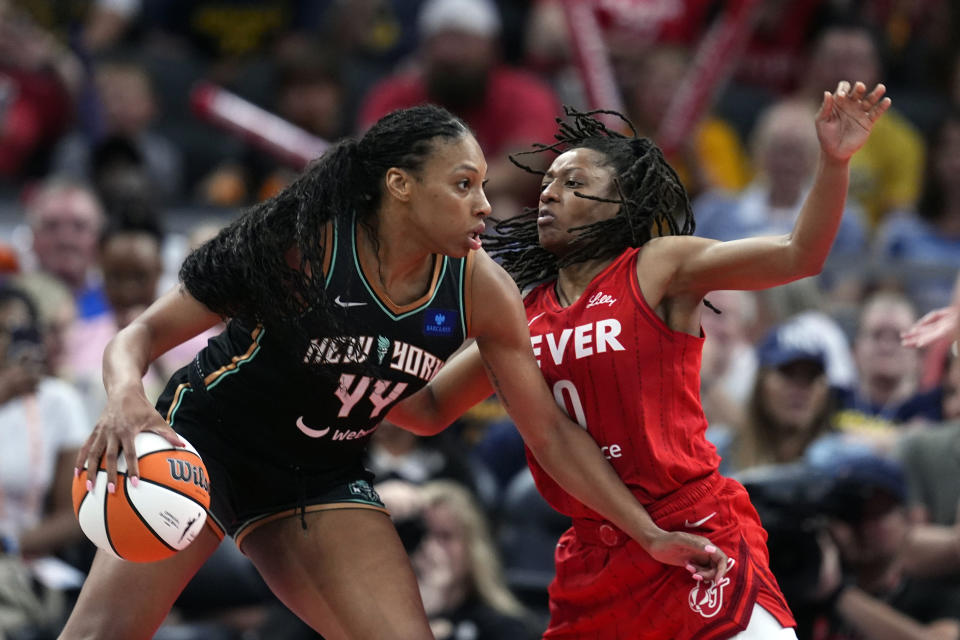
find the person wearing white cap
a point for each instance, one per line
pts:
(459, 67)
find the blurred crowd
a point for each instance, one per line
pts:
(112, 167)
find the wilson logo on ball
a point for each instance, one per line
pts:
(186, 472)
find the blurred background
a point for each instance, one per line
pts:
(131, 130)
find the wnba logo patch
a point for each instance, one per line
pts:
(439, 322)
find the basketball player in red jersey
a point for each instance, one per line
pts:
(615, 327)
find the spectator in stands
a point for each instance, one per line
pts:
(460, 69)
(877, 597)
(729, 361)
(38, 77)
(924, 247)
(57, 313)
(791, 403)
(457, 565)
(131, 261)
(931, 462)
(784, 150)
(886, 394)
(885, 175)
(310, 94)
(65, 218)
(94, 26)
(129, 110)
(43, 424)
(713, 157)
(396, 453)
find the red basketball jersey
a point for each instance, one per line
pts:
(627, 378)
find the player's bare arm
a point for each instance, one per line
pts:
(460, 384)
(565, 450)
(172, 319)
(687, 266)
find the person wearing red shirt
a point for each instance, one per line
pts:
(615, 324)
(506, 108)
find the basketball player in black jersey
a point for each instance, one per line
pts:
(344, 294)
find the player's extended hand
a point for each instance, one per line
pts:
(698, 555)
(847, 116)
(939, 324)
(127, 413)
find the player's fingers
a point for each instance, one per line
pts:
(859, 91)
(169, 435)
(874, 96)
(130, 456)
(879, 109)
(80, 461)
(110, 462)
(843, 88)
(826, 107)
(92, 462)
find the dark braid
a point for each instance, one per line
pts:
(243, 272)
(652, 202)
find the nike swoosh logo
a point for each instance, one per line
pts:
(699, 522)
(535, 318)
(313, 433)
(349, 304)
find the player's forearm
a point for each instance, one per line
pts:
(820, 216)
(126, 358)
(879, 621)
(575, 461)
(418, 414)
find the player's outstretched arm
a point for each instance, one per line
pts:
(460, 384)
(564, 449)
(699, 265)
(173, 318)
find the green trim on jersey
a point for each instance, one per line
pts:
(173, 412)
(373, 294)
(333, 254)
(241, 361)
(463, 303)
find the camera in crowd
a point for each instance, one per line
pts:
(797, 502)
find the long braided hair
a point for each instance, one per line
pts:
(244, 272)
(652, 202)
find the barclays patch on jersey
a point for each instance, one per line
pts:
(439, 322)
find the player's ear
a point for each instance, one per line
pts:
(398, 184)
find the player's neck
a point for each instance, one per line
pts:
(574, 279)
(401, 266)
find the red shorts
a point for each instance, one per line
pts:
(608, 588)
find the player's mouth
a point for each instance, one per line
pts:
(474, 239)
(545, 217)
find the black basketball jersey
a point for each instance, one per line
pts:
(316, 399)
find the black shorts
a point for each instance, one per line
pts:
(251, 487)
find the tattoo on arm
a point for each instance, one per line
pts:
(496, 382)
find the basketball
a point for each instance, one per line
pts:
(155, 519)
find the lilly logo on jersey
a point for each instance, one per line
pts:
(600, 298)
(438, 322)
(185, 472)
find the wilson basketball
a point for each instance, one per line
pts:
(155, 519)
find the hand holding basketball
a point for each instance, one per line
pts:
(127, 414)
(151, 518)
